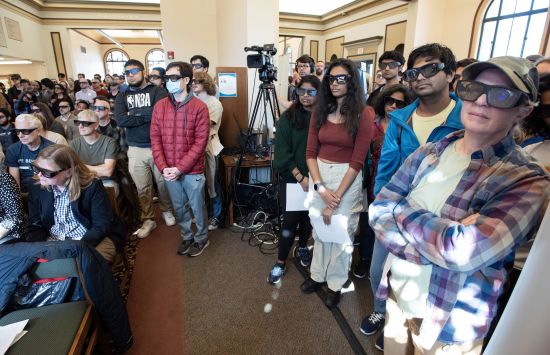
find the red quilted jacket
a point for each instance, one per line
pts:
(179, 135)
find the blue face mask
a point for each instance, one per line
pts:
(173, 87)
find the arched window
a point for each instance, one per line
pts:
(114, 61)
(512, 27)
(155, 58)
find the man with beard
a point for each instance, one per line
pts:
(320, 70)
(133, 110)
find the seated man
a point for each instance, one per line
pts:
(97, 151)
(72, 204)
(20, 155)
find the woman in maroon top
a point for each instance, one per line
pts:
(339, 138)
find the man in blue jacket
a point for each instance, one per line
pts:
(434, 114)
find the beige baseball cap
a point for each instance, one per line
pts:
(520, 71)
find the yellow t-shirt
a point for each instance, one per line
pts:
(423, 126)
(410, 282)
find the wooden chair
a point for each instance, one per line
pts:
(66, 328)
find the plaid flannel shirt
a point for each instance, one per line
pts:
(506, 189)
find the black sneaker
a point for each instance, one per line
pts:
(361, 269)
(372, 323)
(304, 256)
(277, 272)
(333, 298)
(379, 344)
(197, 249)
(214, 224)
(184, 247)
(310, 285)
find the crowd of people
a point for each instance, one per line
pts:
(437, 176)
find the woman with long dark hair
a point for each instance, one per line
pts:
(290, 162)
(339, 137)
(72, 204)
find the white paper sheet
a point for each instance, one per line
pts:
(11, 333)
(295, 198)
(335, 232)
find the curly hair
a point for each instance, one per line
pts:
(207, 82)
(534, 124)
(379, 105)
(296, 120)
(353, 103)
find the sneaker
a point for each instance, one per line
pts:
(379, 344)
(372, 323)
(169, 218)
(310, 285)
(184, 247)
(146, 228)
(214, 223)
(361, 269)
(197, 248)
(333, 298)
(277, 271)
(304, 256)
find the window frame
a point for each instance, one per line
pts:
(148, 70)
(107, 55)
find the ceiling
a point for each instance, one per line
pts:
(103, 36)
(311, 7)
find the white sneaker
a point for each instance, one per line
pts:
(169, 218)
(146, 228)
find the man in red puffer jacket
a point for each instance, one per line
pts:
(179, 134)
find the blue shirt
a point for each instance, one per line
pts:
(20, 156)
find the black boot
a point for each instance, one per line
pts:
(310, 285)
(333, 298)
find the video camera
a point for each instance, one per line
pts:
(262, 61)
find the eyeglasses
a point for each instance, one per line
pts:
(390, 101)
(36, 110)
(153, 77)
(172, 78)
(44, 172)
(59, 88)
(427, 71)
(309, 92)
(340, 79)
(197, 66)
(64, 106)
(132, 71)
(497, 96)
(2, 117)
(98, 108)
(198, 81)
(95, 82)
(25, 131)
(83, 123)
(302, 66)
(391, 65)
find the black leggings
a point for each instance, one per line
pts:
(293, 222)
(366, 237)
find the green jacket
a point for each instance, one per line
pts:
(290, 146)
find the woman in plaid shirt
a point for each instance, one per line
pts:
(454, 213)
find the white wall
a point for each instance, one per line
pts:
(31, 47)
(89, 63)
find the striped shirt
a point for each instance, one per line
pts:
(65, 226)
(468, 273)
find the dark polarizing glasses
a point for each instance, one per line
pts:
(389, 101)
(427, 71)
(98, 108)
(84, 123)
(154, 77)
(340, 79)
(309, 92)
(391, 65)
(497, 96)
(45, 172)
(132, 71)
(25, 131)
(83, 82)
(64, 106)
(198, 81)
(172, 78)
(197, 66)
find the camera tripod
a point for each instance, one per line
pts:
(266, 100)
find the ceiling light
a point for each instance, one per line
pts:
(14, 62)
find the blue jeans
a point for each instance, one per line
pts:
(379, 255)
(187, 194)
(217, 203)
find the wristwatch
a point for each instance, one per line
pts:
(317, 186)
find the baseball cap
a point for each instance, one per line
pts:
(520, 71)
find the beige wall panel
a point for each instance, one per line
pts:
(314, 49)
(395, 35)
(333, 46)
(58, 52)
